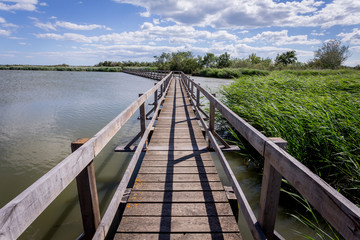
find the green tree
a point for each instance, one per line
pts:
(209, 60)
(162, 61)
(286, 58)
(223, 61)
(253, 59)
(331, 54)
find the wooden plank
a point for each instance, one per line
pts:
(178, 134)
(179, 236)
(178, 186)
(185, 163)
(173, 169)
(177, 196)
(183, 147)
(178, 155)
(179, 224)
(183, 177)
(178, 209)
(175, 141)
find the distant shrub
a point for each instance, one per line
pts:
(229, 72)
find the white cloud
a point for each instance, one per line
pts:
(73, 26)
(352, 38)
(25, 5)
(281, 38)
(45, 26)
(64, 37)
(2, 20)
(43, 4)
(67, 25)
(4, 32)
(244, 31)
(156, 21)
(317, 34)
(253, 14)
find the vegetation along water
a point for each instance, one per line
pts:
(317, 112)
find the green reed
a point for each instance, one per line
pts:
(317, 112)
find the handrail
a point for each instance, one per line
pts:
(342, 214)
(20, 212)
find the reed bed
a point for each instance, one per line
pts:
(318, 114)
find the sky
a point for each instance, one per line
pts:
(85, 32)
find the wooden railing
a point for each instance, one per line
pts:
(18, 214)
(157, 75)
(342, 214)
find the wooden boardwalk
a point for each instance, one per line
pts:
(177, 193)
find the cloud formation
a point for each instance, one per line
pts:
(67, 25)
(253, 14)
(12, 5)
(352, 38)
(281, 38)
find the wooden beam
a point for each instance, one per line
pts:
(142, 117)
(270, 194)
(87, 193)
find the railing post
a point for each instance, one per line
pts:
(211, 118)
(88, 198)
(198, 97)
(142, 117)
(192, 89)
(270, 193)
(155, 97)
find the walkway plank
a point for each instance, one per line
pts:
(177, 193)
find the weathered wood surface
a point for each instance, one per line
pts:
(109, 215)
(177, 189)
(87, 193)
(179, 236)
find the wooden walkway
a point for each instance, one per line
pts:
(177, 193)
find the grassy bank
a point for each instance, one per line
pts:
(229, 72)
(60, 68)
(317, 112)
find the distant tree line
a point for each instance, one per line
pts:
(330, 55)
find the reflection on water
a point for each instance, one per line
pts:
(42, 112)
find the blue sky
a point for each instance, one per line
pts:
(89, 31)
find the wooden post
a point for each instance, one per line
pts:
(198, 97)
(192, 89)
(270, 193)
(88, 198)
(142, 117)
(211, 118)
(155, 97)
(229, 191)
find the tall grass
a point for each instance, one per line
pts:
(229, 72)
(318, 114)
